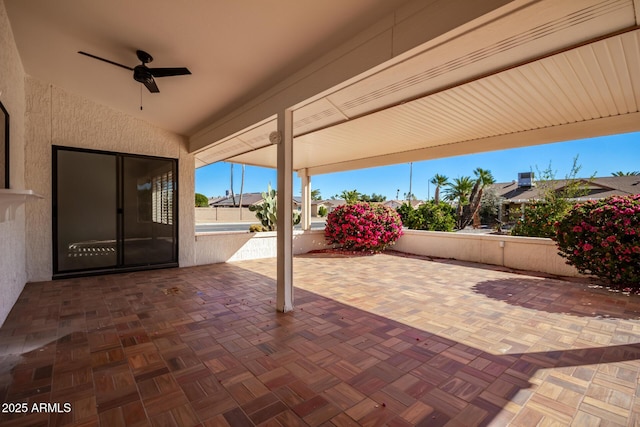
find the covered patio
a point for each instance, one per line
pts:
(388, 339)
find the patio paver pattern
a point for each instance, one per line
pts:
(375, 340)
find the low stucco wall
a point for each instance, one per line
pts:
(521, 253)
(208, 215)
(218, 247)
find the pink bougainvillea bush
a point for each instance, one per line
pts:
(363, 227)
(602, 238)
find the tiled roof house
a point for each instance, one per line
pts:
(514, 194)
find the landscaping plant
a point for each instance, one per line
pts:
(430, 216)
(363, 227)
(202, 201)
(472, 208)
(602, 238)
(467, 195)
(539, 216)
(267, 211)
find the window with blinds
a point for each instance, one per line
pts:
(162, 198)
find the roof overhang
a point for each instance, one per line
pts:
(544, 72)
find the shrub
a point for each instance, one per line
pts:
(429, 216)
(202, 201)
(490, 205)
(539, 218)
(556, 199)
(405, 211)
(363, 227)
(256, 228)
(602, 238)
(322, 211)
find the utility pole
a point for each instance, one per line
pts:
(241, 191)
(233, 196)
(410, 179)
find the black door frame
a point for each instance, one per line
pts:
(119, 267)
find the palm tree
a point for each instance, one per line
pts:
(315, 194)
(483, 178)
(620, 173)
(350, 196)
(439, 181)
(458, 191)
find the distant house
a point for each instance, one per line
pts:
(395, 204)
(328, 204)
(297, 203)
(214, 200)
(248, 199)
(516, 194)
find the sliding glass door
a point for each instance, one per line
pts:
(112, 212)
(148, 223)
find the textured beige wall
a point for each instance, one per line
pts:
(12, 233)
(522, 253)
(42, 116)
(205, 215)
(232, 246)
(56, 117)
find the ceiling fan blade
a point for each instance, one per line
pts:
(166, 72)
(105, 60)
(151, 85)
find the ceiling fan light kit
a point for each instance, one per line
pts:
(144, 74)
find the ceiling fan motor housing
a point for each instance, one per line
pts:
(142, 74)
(143, 56)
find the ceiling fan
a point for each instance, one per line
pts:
(144, 74)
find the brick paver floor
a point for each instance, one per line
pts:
(375, 340)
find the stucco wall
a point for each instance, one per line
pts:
(56, 117)
(12, 233)
(522, 253)
(208, 215)
(237, 246)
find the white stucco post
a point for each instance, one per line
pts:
(305, 216)
(284, 140)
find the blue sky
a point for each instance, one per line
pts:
(597, 156)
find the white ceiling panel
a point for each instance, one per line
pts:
(549, 26)
(583, 84)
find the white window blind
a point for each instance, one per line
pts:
(162, 198)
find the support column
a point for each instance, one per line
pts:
(284, 140)
(305, 217)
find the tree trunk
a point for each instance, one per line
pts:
(241, 191)
(233, 196)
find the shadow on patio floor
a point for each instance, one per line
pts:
(557, 296)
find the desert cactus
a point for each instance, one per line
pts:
(267, 211)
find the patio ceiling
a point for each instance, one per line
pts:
(548, 72)
(234, 49)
